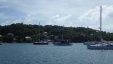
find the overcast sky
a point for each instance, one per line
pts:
(76, 13)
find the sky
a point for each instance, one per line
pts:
(74, 13)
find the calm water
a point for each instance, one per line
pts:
(50, 54)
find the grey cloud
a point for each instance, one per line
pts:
(66, 11)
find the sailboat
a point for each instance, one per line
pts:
(102, 45)
(40, 42)
(62, 41)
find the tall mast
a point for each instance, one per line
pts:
(62, 35)
(39, 31)
(100, 18)
(100, 23)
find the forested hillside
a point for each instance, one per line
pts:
(20, 32)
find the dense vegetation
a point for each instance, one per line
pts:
(20, 32)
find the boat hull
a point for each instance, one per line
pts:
(40, 43)
(62, 43)
(107, 47)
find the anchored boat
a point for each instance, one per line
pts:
(62, 41)
(44, 42)
(102, 45)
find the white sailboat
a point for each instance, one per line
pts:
(102, 45)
